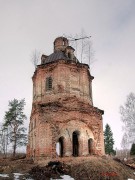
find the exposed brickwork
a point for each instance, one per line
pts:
(65, 109)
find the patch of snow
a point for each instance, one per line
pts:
(64, 177)
(17, 175)
(67, 177)
(4, 175)
(130, 179)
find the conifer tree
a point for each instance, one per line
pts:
(108, 139)
(14, 121)
(132, 151)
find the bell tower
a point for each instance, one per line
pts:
(55, 80)
(63, 117)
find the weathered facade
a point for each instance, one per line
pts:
(63, 120)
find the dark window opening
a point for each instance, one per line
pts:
(61, 146)
(34, 153)
(90, 145)
(48, 83)
(69, 55)
(75, 144)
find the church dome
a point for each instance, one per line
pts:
(60, 43)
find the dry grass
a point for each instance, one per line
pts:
(9, 166)
(81, 168)
(99, 168)
(96, 168)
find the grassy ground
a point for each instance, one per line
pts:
(99, 168)
(96, 168)
(80, 168)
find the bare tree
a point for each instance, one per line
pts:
(125, 144)
(83, 46)
(128, 117)
(35, 57)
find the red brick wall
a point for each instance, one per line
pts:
(67, 108)
(55, 122)
(68, 80)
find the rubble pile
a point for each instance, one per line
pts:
(54, 169)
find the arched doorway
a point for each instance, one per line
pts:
(61, 146)
(90, 145)
(75, 143)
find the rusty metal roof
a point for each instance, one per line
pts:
(58, 55)
(54, 57)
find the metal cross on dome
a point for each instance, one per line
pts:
(76, 39)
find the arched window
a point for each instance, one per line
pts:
(90, 145)
(61, 143)
(60, 147)
(75, 143)
(69, 55)
(48, 83)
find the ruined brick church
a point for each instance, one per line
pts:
(63, 120)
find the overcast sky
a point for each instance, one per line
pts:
(26, 25)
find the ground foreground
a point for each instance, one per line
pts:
(80, 168)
